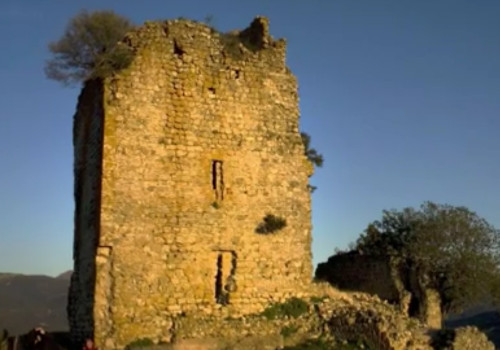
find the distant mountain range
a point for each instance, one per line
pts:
(30, 301)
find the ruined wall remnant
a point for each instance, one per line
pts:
(177, 160)
(363, 273)
(387, 277)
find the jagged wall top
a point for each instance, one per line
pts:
(251, 44)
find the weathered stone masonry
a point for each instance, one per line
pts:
(390, 278)
(178, 159)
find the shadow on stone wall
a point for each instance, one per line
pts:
(88, 148)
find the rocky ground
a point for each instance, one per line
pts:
(334, 320)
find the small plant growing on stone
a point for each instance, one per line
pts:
(312, 155)
(139, 343)
(292, 308)
(270, 224)
(317, 300)
(288, 331)
(209, 20)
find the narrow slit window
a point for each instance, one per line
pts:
(225, 283)
(217, 179)
(219, 296)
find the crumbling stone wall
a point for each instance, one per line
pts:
(388, 278)
(425, 302)
(363, 273)
(200, 142)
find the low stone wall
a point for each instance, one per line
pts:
(363, 273)
(389, 278)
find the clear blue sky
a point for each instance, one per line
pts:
(401, 97)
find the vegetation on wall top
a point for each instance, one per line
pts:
(90, 48)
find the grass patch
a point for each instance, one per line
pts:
(140, 343)
(317, 300)
(288, 331)
(292, 308)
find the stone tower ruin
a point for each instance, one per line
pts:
(178, 160)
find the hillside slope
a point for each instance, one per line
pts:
(30, 301)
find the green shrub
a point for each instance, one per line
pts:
(288, 331)
(293, 308)
(270, 224)
(140, 343)
(317, 300)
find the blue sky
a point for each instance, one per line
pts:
(401, 97)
